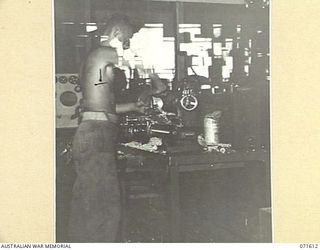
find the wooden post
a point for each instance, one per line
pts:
(179, 60)
(87, 19)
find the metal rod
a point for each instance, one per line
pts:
(160, 131)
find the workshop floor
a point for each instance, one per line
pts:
(219, 207)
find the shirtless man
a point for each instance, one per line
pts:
(95, 205)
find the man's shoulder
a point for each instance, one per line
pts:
(103, 53)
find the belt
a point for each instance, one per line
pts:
(99, 116)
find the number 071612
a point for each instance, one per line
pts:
(309, 246)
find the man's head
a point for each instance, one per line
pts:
(118, 30)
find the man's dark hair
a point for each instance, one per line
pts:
(118, 20)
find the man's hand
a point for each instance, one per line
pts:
(145, 97)
(142, 71)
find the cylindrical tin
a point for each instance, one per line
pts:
(211, 129)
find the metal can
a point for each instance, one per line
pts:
(211, 129)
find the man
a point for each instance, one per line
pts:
(95, 205)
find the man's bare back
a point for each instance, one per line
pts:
(97, 80)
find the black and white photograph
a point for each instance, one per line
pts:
(162, 121)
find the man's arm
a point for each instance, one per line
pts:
(108, 78)
(138, 107)
(157, 87)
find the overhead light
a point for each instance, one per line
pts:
(91, 27)
(67, 23)
(153, 25)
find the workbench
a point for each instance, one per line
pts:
(176, 163)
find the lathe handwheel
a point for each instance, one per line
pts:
(189, 102)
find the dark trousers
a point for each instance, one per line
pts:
(95, 205)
